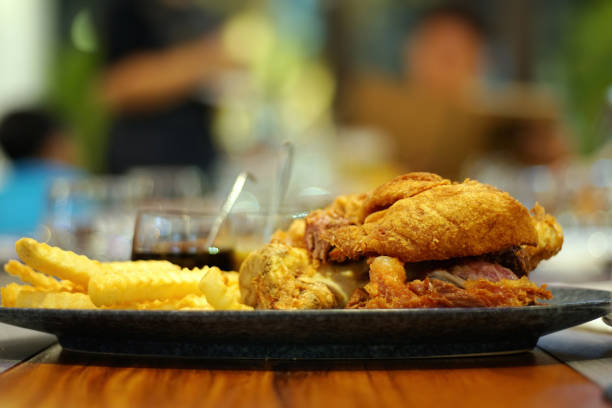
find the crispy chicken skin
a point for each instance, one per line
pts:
(278, 276)
(348, 207)
(282, 277)
(550, 238)
(429, 216)
(443, 222)
(429, 243)
(294, 236)
(404, 186)
(522, 259)
(388, 289)
(343, 211)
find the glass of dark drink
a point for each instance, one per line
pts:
(180, 238)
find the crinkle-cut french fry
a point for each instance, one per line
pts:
(114, 288)
(10, 292)
(231, 279)
(189, 302)
(219, 290)
(39, 280)
(57, 262)
(137, 266)
(53, 300)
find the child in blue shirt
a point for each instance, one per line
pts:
(40, 151)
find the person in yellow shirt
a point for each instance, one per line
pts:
(439, 114)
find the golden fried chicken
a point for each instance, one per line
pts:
(294, 236)
(522, 259)
(388, 288)
(443, 222)
(348, 207)
(343, 211)
(550, 238)
(278, 276)
(429, 243)
(404, 186)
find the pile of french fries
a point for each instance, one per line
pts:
(58, 279)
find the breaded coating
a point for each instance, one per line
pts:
(443, 222)
(404, 186)
(294, 236)
(318, 223)
(550, 237)
(343, 211)
(281, 277)
(388, 289)
(524, 258)
(348, 207)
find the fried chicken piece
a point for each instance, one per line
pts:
(387, 289)
(318, 222)
(343, 211)
(294, 236)
(443, 222)
(404, 186)
(524, 258)
(348, 207)
(352, 209)
(550, 237)
(278, 276)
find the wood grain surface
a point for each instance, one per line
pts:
(58, 378)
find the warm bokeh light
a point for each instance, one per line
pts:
(249, 37)
(82, 32)
(306, 95)
(283, 90)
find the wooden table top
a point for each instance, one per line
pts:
(60, 378)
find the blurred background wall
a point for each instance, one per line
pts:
(179, 95)
(27, 43)
(52, 51)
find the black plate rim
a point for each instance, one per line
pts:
(289, 334)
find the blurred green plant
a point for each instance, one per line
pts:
(72, 91)
(589, 71)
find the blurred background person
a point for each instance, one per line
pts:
(161, 59)
(439, 113)
(472, 88)
(40, 151)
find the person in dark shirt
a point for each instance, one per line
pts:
(160, 55)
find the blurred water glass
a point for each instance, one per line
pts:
(181, 237)
(250, 230)
(95, 216)
(172, 181)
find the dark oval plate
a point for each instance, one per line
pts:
(397, 333)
